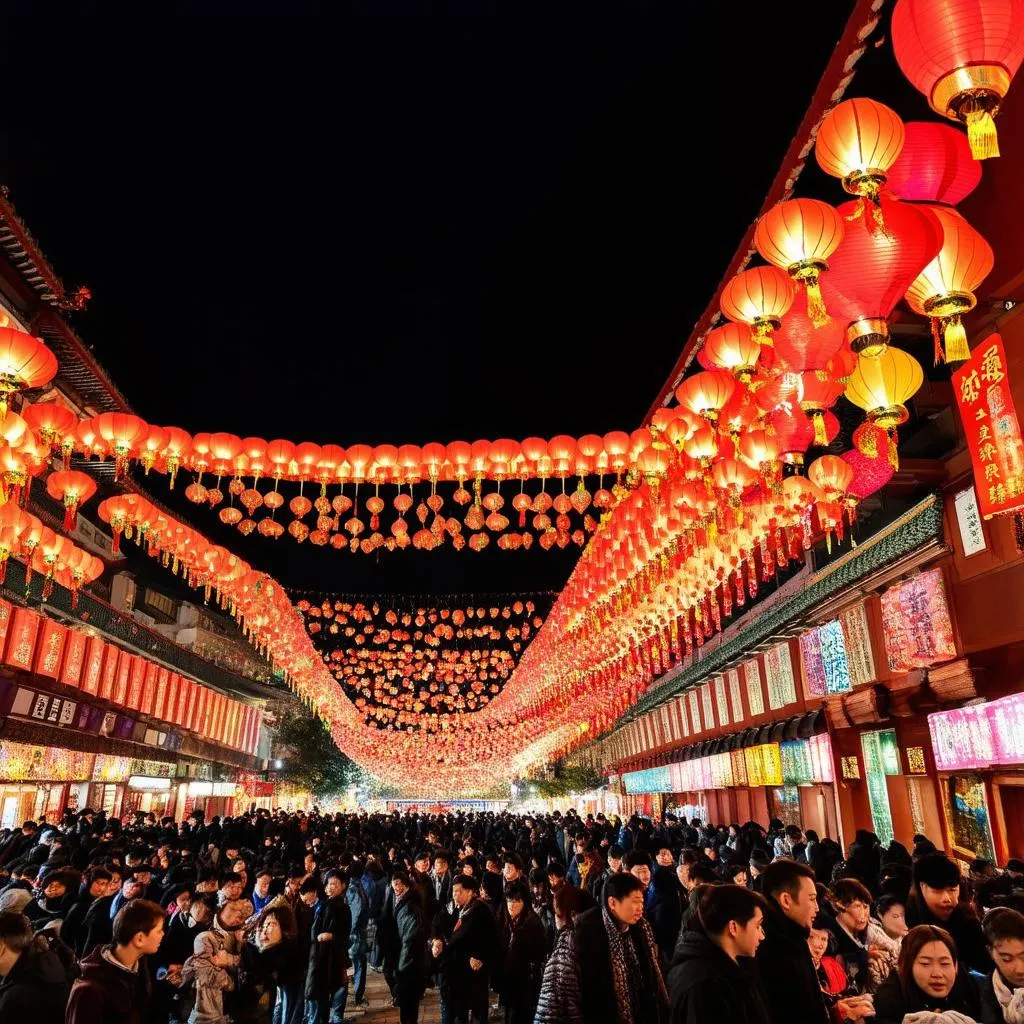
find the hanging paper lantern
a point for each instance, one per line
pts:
(882, 386)
(872, 268)
(178, 448)
(705, 393)
(732, 347)
(54, 424)
(962, 55)
(25, 362)
(759, 297)
(72, 488)
(799, 345)
(935, 165)
(857, 142)
(799, 236)
(944, 290)
(818, 392)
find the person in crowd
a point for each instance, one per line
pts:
(441, 878)
(34, 984)
(665, 912)
(784, 960)
(326, 980)
(411, 967)
(466, 955)
(114, 984)
(929, 984)
(832, 977)
(867, 957)
(269, 965)
(95, 884)
(1001, 993)
(712, 977)
(759, 861)
(616, 959)
(359, 910)
(891, 914)
(98, 924)
(558, 1001)
(935, 900)
(543, 905)
(525, 947)
(261, 894)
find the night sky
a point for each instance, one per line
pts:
(402, 228)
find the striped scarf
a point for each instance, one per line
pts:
(626, 966)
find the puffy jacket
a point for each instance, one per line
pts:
(559, 1000)
(36, 987)
(411, 970)
(210, 982)
(705, 984)
(108, 992)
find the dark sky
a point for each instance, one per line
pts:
(403, 227)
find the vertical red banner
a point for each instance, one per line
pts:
(92, 668)
(136, 682)
(108, 679)
(149, 688)
(191, 693)
(125, 666)
(74, 658)
(160, 702)
(993, 431)
(50, 649)
(21, 639)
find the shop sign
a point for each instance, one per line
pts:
(650, 780)
(979, 736)
(916, 623)
(968, 518)
(147, 783)
(156, 769)
(982, 389)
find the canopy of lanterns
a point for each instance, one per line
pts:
(409, 666)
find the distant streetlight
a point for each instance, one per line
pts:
(278, 763)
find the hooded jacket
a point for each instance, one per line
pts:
(36, 987)
(705, 985)
(108, 992)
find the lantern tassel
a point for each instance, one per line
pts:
(70, 509)
(937, 342)
(816, 311)
(981, 134)
(894, 458)
(957, 349)
(3, 569)
(820, 436)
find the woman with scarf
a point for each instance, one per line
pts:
(868, 955)
(269, 963)
(525, 949)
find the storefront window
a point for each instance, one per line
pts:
(968, 816)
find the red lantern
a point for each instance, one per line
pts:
(799, 236)
(858, 141)
(759, 297)
(962, 55)
(25, 362)
(935, 165)
(54, 424)
(72, 488)
(704, 394)
(872, 268)
(732, 347)
(179, 445)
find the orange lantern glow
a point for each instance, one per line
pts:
(857, 142)
(55, 424)
(881, 386)
(122, 433)
(178, 447)
(799, 235)
(705, 393)
(944, 290)
(962, 55)
(732, 347)
(72, 488)
(25, 362)
(759, 297)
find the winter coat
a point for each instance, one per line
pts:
(892, 1004)
(328, 961)
(522, 967)
(474, 936)
(210, 981)
(988, 1005)
(787, 971)
(36, 987)
(442, 887)
(665, 914)
(411, 969)
(962, 925)
(359, 908)
(260, 972)
(706, 986)
(375, 888)
(559, 1000)
(107, 992)
(879, 968)
(97, 926)
(72, 931)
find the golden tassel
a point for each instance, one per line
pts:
(957, 349)
(894, 457)
(763, 333)
(867, 442)
(818, 419)
(981, 134)
(816, 311)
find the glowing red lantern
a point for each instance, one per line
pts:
(962, 55)
(122, 433)
(799, 236)
(858, 141)
(25, 362)
(72, 488)
(873, 268)
(935, 165)
(705, 393)
(732, 347)
(759, 297)
(178, 447)
(54, 424)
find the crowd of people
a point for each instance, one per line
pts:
(275, 918)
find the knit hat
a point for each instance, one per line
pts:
(936, 870)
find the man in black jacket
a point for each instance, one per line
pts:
(784, 959)
(33, 983)
(467, 955)
(327, 979)
(410, 970)
(712, 977)
(1004, 937)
